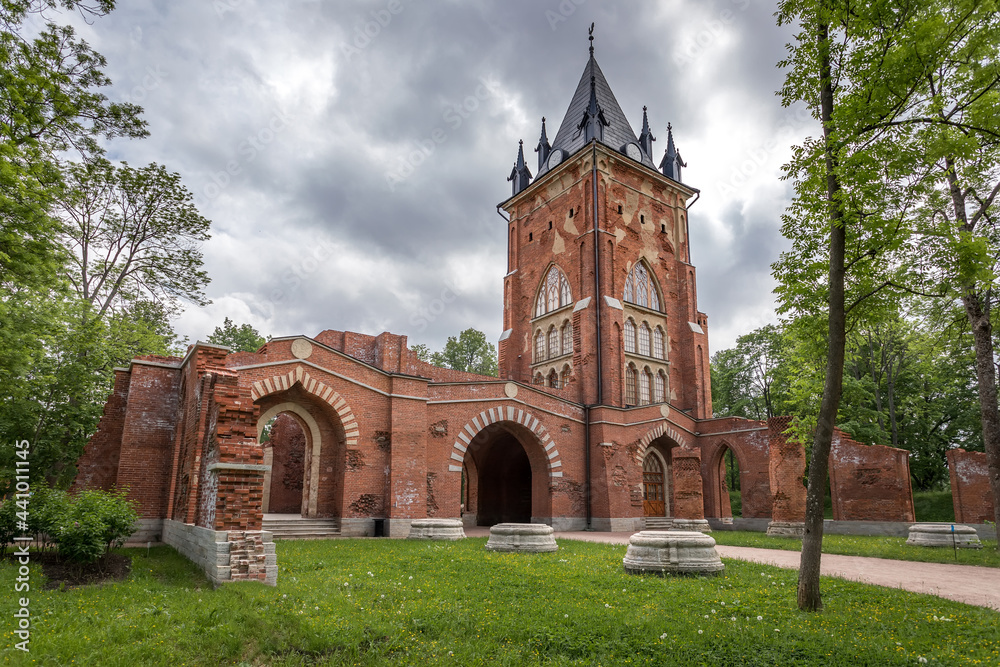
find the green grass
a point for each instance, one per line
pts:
(861, 545)
(380, 602)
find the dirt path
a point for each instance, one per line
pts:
(963, 583)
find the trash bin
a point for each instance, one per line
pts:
(379, 527)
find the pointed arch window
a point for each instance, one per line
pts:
(539, 346)
(553, 379)
(644, 339)
(567, 338)
(628, 334)
(644, 381)
(659, 351)
(553, 342)
(630, 384)
(660, 388)
(641, 288)
(564, 376)
(554, 292)
(539, 379)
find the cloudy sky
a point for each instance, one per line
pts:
(351, 154)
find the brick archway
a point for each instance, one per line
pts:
(325, 393)
(663, 429)
(500, 414)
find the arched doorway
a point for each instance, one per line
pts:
(728, 502)
(506, 476)
(655, 486)
(285, 445)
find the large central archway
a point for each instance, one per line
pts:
(506, 473)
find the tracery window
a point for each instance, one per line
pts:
(644, 339)
(567, 338)
(564, 376)
(539, 346)
(554, 293)
(644, 379)
(640, 287)
(659, 351)
(554, 379)
(660, 388)
(539, 379)
(630, 385)
(553, 342)
(628, 334)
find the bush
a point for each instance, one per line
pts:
(94, 522)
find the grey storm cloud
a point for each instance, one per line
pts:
(351, 154)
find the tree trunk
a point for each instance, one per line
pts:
(809, 598)
(982, 334)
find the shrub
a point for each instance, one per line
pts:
(92, 523)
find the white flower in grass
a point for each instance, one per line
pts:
(565, 615)
(713, 611)
(706, 615)
(663, 636)
(733, 618)
(607, 606)
(370, 574)
(921, 659)
(700, 631)
(760, 618)
(411, 576)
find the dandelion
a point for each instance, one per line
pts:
(607, 606)
(732, 618)
(411, 576)
(565, 615)
(713, 611)
(760, 618)
(706, 615)
(663, 636)
(370, 574)
(701, 631)
(921, 659)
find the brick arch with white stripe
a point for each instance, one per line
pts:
(500, 414)
(273, 385)
(654, 433)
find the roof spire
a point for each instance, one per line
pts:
(520, 175)
(591, 38)
(646, 138)
(672, 162)
(543, 148)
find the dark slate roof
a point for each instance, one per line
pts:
(618, 132)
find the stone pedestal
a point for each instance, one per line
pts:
(436, 529)
(530, 538)
(786, 529)
(672, 552)
(940, 535)
(699, 525)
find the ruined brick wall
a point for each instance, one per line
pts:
(786, 467)
(970, 486)
(749, 442)
(98, 466)
(687, 483)
(288, 445)
(869, 482)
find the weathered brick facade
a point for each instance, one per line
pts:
(869, 482)
(970, 486)
(603, 364)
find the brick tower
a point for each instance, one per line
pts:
(600, 301)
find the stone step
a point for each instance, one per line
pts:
(302, 529)
(658, 523)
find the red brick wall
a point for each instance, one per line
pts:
(970, 486)
(288, 446)
(786, 468)
(98, 466)
(869, 482)
(750, 444)
(688, 501)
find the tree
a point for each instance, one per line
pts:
(748, 381)
(243, 338)
(469, 352)
(422, 351)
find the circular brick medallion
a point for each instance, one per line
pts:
(510, 389)
(665, 410)
(301, 348)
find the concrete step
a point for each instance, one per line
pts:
(658, 523)
(297, 528)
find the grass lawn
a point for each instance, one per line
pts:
(398, 602)
(862, 545)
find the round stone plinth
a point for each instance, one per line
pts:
(786, 529)
(527, 538)
(436, 529)
(700, 525)
(672, 552)
(940, 535)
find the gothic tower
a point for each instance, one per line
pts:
(600, 301)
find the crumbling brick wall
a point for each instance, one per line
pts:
(869, 482)
(785, 471)
(288, 446)
(688, 499)
(98, 465)
(970, 486)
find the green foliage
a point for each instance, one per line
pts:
(934, 506)
(751, 380)
(466, 606)
(470, 352)
(243, 338)
(94, 522)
